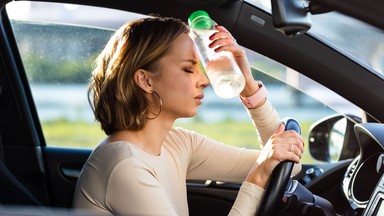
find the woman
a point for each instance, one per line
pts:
(147, 77)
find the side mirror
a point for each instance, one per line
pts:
(333, 139)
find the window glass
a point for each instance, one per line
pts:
(357, 40)
(58, 44)
(58, 50)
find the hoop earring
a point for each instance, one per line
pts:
(161, 104)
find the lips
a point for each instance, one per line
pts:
(200, 97)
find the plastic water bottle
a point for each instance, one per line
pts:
(221, 68)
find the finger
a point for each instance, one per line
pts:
(300, 146)
(292, 148)
(277, 137)
(294, 157)
(224, 43)
(221, 28)
(292, 134)
(284, 153)
(292, 153)
(221, 33)
(287, 145)
(280, 129)
(297, 143)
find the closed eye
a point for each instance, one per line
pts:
(189, 65)
(188, 70)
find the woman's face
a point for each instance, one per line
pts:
(180, 81)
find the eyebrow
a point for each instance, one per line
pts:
(189, 60)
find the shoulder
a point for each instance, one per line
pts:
(105, 157)
(114, 151)
(189, 139)
(118, 160)
(185, 134)
(184, 139)
(121, 152)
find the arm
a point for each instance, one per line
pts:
(276, 144)
(248, 200)
(265, 117)
(213, 160)
(266, 121)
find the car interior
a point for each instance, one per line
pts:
(34, 173)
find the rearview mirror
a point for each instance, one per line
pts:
(333, 139)
(291, 17)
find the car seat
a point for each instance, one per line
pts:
(12, 192)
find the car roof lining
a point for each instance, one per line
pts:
(370, 11)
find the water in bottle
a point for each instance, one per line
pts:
(221, 68)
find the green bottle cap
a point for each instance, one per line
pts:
(206, 23)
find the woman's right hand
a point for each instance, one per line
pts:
(283, 145)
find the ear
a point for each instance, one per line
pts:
(143, 79)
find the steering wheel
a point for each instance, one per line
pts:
(271, 204)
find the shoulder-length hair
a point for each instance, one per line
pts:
(117, 101)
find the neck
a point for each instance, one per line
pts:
(150, 139)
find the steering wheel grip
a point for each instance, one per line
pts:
(270, 204)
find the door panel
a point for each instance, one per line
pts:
(206, 200)
(63, 166)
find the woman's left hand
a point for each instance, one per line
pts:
(283, 145)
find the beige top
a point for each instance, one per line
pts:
(119, 178)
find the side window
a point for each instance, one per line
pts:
(58, 65)
(58, 50)
(297, 96)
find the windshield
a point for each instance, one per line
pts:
(359, 41)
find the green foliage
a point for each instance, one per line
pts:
(72, 134)
(230, 132)
(66, 71)
(58, 53)
(85, 135)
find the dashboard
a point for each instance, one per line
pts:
(363, 183)
(376, 204)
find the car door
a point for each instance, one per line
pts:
(54, 131)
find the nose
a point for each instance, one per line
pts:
(203, 81)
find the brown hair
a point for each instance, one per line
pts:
(118, 102)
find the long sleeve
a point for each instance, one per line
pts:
(213, 160)
(266, 121)
(216, 161)
(248, 200)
